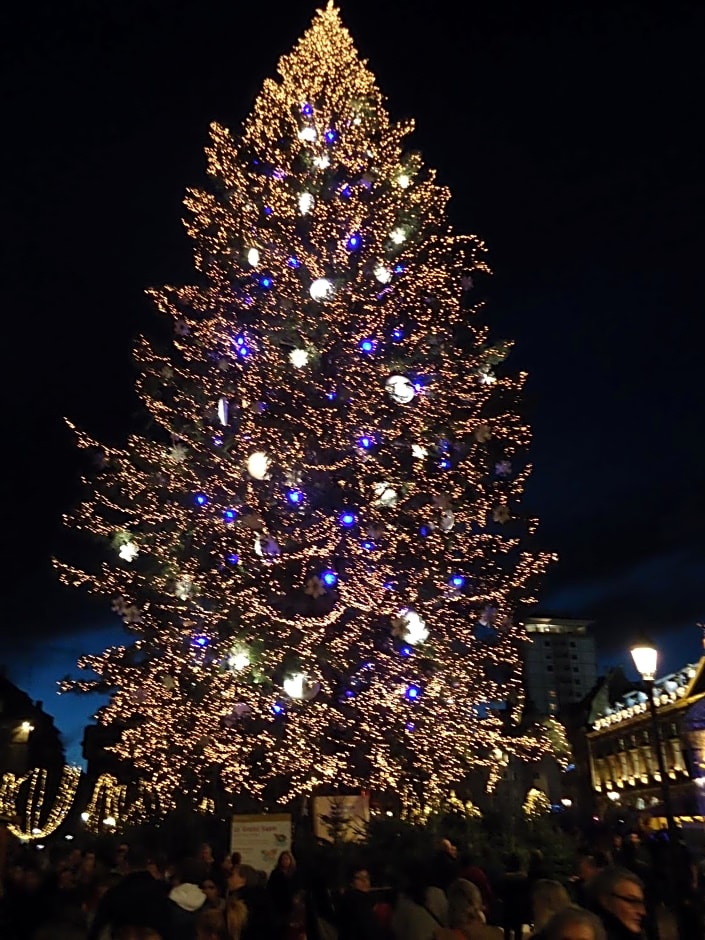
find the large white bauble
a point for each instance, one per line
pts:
(258, 465)
(400, 389)
(253, 257)
(415, 627)
(299, 358)
(386, 495)
(306, 203)
(299, 686)
(321, 288)
(238, 661)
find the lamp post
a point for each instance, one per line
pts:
(645, 656)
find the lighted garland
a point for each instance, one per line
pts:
(36, 823)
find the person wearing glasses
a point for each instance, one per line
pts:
(620, 902)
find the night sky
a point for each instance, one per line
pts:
(571, 138)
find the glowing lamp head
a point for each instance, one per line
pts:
(347, 518)
(329, 578)
(398, 236)
(383, 274)
(645, 656)
(321, 289)
(415, 630)
(403, 180)
(295, 685)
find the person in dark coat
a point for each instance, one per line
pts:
(139, 900)
(283, 889)
(186, 901)
(515, 892)
(356, 916)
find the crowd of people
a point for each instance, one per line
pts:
(620, 894)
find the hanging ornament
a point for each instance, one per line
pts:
(382, 273)
(308, 134)
(466, 282)
(321, 289)
(500, 514)
(299, 686)
(385, 494)
(183, 589)
(447, 521)
(488, 616)
(258, 464)
(306, 203)
(181, 328)
(178, 453)
(482, 433)
(486, 377)
(169, 683)
(253, 257)
(299, 358)
(403, 180)
(398, 235)
(166, 372)
(322, 162)
(223, 411)
(266, 547)
(409, 627)
(238, 660)
(293, 478)
(315, 587)
(128, 551)
(399, 389)
(418, 452)
(503, 468)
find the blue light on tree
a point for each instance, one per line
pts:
(368, 546)
(201, 641)
(457, 581)
(307, 110)
(354, 242)
(201, 499)
(413, 692)
(347, 518)
(397, 334)
(295, 497)
(331, 396)
(367, 345)
(267, 210)
(329, 578)
(410, 726)
(424, 531)
(399, 268)
(365, 442)
(331, 136)
(293, 262)
(406, 651)
(278, 709)
(444, 464)
(229, 515)
(233, 558)
(346, 192)
(265, 282)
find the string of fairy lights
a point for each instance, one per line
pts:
(320, 554)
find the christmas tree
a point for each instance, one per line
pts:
(319, 553)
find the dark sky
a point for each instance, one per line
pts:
(571, 137)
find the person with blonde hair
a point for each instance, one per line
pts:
(547, 898)
(466, 918)
(575, 923)
(225, 924)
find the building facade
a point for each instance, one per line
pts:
(560, 663)
(622, 749)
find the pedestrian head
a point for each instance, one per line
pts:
(464, 904)
(621, 893)
(547, 898)
(575, 923)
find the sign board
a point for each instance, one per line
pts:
(260, 839)
(341, 818)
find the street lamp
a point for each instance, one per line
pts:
(645, 656)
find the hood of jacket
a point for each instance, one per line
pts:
(188, 897)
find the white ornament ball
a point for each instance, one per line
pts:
(400, 389)
(299, 358)
(383, 274)
(129, 551)
(415, 627)
(258, 465)
(308, 134)
(238, 661)
(386, 495)
(306, 203)
(398, 236)
(321, 288)
(299, 686)
(253, 257)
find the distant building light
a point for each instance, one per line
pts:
(27, 726)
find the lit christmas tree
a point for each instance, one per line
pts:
(320, 553)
